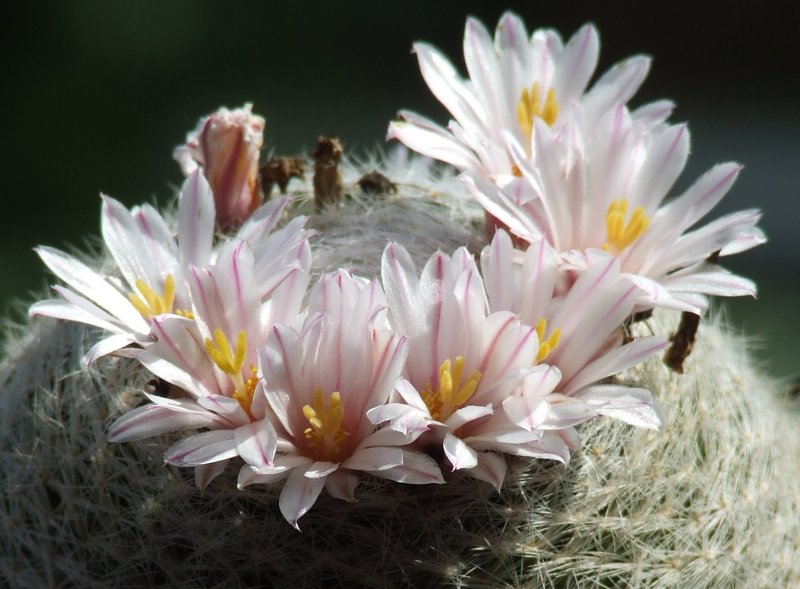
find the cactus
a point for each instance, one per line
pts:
(711, 500)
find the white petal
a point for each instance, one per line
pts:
(203, 448)
(298, 495)
(263, 220)
(483, 68)
(205, 473)
(615, 361)
(401, 285)
(107, 346)
(249, 476)
(654, 113)
(617, 85)
(448, 87)
(342, 485)
(712, 280)
(527, 413)
(82, 311)
(719, 235)
(466, 414)
(700, 197)
(666, 158)
(434, 144)
(374, 459)
(256, 443)
(196, 216)
(321, 469)
(153, 420)
(567, 412)
(631, 405)
(577, 64)
(491, 468)
(416, 469)
(458, 453)
(124, 240)
(91, 285)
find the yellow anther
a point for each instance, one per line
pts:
(245, 396)
(546, 345)
(153, 304)
(327, 432)
(231, 363)
(222, 353)
(530, 106)
(185, 313)
(620, 234)
(451, 394)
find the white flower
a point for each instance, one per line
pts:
(321, 383)
(600, 195)
(514, 82)
(154, 265)
(227, 144)
(579, 323)
(212, 358)
(463, 364)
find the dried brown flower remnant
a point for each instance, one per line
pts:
(376, 183)
(328, 185)
(280, 170)
(682, 341)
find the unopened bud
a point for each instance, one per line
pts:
(227, 145)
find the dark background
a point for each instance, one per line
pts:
(96, 95)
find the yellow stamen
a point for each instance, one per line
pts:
(530, 106)
(222, 353)
(232, 363)
(326, 434)
(546, 345)
(245, 396)
(185, 313)
(153, 304)
(451, 393)
(620, 234)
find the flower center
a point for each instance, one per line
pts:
(620, 233)
(326, 434)
(451, 393)
(231, 363)
(530, 106)
(150, 303)
(546, 345)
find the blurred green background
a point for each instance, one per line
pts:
(96, 95)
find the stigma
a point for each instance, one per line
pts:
(619, 233)
(326, 434)
(530, 107)
(451, 394)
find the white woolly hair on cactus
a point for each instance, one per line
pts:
(711, 500)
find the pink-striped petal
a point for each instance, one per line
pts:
(256, 443)
(416, 469)
(152, 420)
(203, 448)
(458, 453)
(298, 495)
(631, 405)
(196, 215)
(374, 459)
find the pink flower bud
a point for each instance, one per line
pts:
(227, 145)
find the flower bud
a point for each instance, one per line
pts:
(227, 145)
